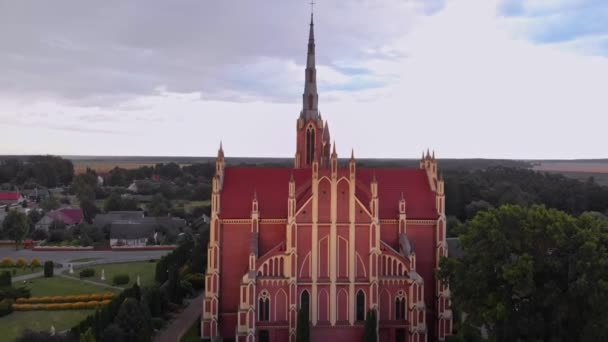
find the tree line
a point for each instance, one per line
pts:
(47, 171)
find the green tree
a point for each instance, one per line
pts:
(131, 319)
(89, 210)
(159, 206)
(371, 326)
(532, 274)
(303, 327)
(113, 202)
(16, 226)
(50, 203)
(87, 336)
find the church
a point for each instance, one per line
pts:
(326, 238)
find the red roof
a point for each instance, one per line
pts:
(68, 216)
(9, 195)
(413, 183)
(272, 188)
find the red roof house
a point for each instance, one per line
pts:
(69, 216)
(10, 197)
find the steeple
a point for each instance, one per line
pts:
(310, 98)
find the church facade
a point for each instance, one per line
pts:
(331, 239)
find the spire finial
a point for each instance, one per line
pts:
(312, 9)
(333, 153)
(352, 154)
(255, 194)
(402, 196)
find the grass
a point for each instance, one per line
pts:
(21, 271)
(60, 286)
(145, 270)
(193, 333)
(83, 259)
(13, 325)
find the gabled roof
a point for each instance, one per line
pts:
(270, 184)
(68, 216)
(272, 188)
(9, 195)
(413, 183)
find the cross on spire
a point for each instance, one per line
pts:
(312, 6)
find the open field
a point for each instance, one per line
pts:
(144, 269)
(14, 324)
(577, 169)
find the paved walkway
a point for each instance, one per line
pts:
(40, 274)
(92, 282)
(180, 325)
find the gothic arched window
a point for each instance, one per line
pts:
(305, 301)
(310, 145)
(400, 306)
(264, 307)
(360, 309)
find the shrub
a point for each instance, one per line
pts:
(48, 269)
(7, 262)
(196, 279)
(35, 262)
(87, 273)
(121, 279)
(14, 292)
(6, 307)
(157, 323)
(5, 278)
(21, 262)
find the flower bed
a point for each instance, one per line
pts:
(92, 304)
(67, 299)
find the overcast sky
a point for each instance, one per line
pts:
(467, 78)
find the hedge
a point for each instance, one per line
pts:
(93, 304)
(67, 299)
(7, 262)
(121, 279)
(6, 306)
(21, 262)
(87, 273)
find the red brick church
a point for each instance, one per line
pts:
(335, 238)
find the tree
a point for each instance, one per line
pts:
(532, 274)
(303, 327)
(113, 202)
(371, 323)
(132, 321)
(159, 206)
(50, 203)
(48, 269)
(87, 336)
(16, 226)
(89, 210)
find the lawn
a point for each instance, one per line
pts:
(21, 271)
(12, 325)
(145, 269)
(61, 286)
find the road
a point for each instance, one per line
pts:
(64, 257)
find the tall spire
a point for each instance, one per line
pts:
(310, 98)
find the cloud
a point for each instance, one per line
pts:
(582, 23)
(395, 77)
(111, 50)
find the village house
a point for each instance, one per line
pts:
(68, 216)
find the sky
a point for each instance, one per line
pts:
(517, 79)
